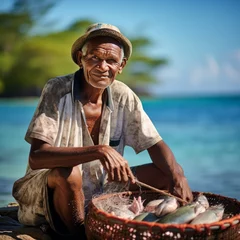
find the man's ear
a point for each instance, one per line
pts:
(123, 64)
(79, 58)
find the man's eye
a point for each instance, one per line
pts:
(111, 61)
(95, 58)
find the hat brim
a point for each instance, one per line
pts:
(104, 32)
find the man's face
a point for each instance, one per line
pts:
(101, 59)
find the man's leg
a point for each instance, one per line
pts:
(151, 175)
(68, 198)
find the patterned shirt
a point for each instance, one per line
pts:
(60, 121)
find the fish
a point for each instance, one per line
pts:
(212, 214)
(147, 217)
(183, 214)
(165, 209)
(202, 199)
(151, 206)
(169, 205)
(137, 205)
(141, 216)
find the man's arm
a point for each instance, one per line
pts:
(164, 159)
(43, 155)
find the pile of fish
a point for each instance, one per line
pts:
(167, 210)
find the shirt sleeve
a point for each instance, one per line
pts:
(44, 123)
(140, 133)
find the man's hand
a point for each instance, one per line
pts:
(115, 165)
(165, 161)
(181, 188)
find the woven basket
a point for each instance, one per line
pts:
(101, 225)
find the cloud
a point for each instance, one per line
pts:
(169, 74)
(213, 74)
(210, 70)
(213, 70)
(231, 67)
(236, 54)
(231, 72)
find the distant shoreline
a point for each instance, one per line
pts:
(154, 97)
(26, 101)
(17, 98)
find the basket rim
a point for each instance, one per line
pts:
(222, 224)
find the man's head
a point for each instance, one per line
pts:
(102, 53)
(101, 30)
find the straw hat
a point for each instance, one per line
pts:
(104, 30)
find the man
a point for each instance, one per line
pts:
(78, 134)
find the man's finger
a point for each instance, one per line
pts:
(130, 175)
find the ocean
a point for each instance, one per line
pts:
(203, 133)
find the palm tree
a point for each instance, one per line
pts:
(27, 61)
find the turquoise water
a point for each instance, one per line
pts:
(203, 133)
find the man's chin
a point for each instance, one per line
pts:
(101, 84)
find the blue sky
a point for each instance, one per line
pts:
(201, 39)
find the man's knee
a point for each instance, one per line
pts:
(69, 177)
(151, 175)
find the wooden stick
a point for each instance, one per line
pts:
(159, 191)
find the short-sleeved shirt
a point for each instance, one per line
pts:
(60, 121)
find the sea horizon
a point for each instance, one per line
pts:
(202, 131)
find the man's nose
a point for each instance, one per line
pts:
(103, 64)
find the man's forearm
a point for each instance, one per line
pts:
(51, 157)
(164, 159)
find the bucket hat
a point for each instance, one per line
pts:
(104, 30)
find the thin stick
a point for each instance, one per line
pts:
(159, 191)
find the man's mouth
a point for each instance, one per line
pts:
(101, 76)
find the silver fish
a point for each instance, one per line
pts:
(151, 206)
(141, 216)
(212, 214)
(147, 217)
(202, 199)
(183, 214)
(169, 205)
(137, 205)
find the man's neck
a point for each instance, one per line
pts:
(91, 95)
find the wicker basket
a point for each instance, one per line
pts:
(101, 225)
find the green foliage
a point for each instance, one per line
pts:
(79, 25)
(27, 61)
(141, 67)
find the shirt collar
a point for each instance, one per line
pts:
(77, 84)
